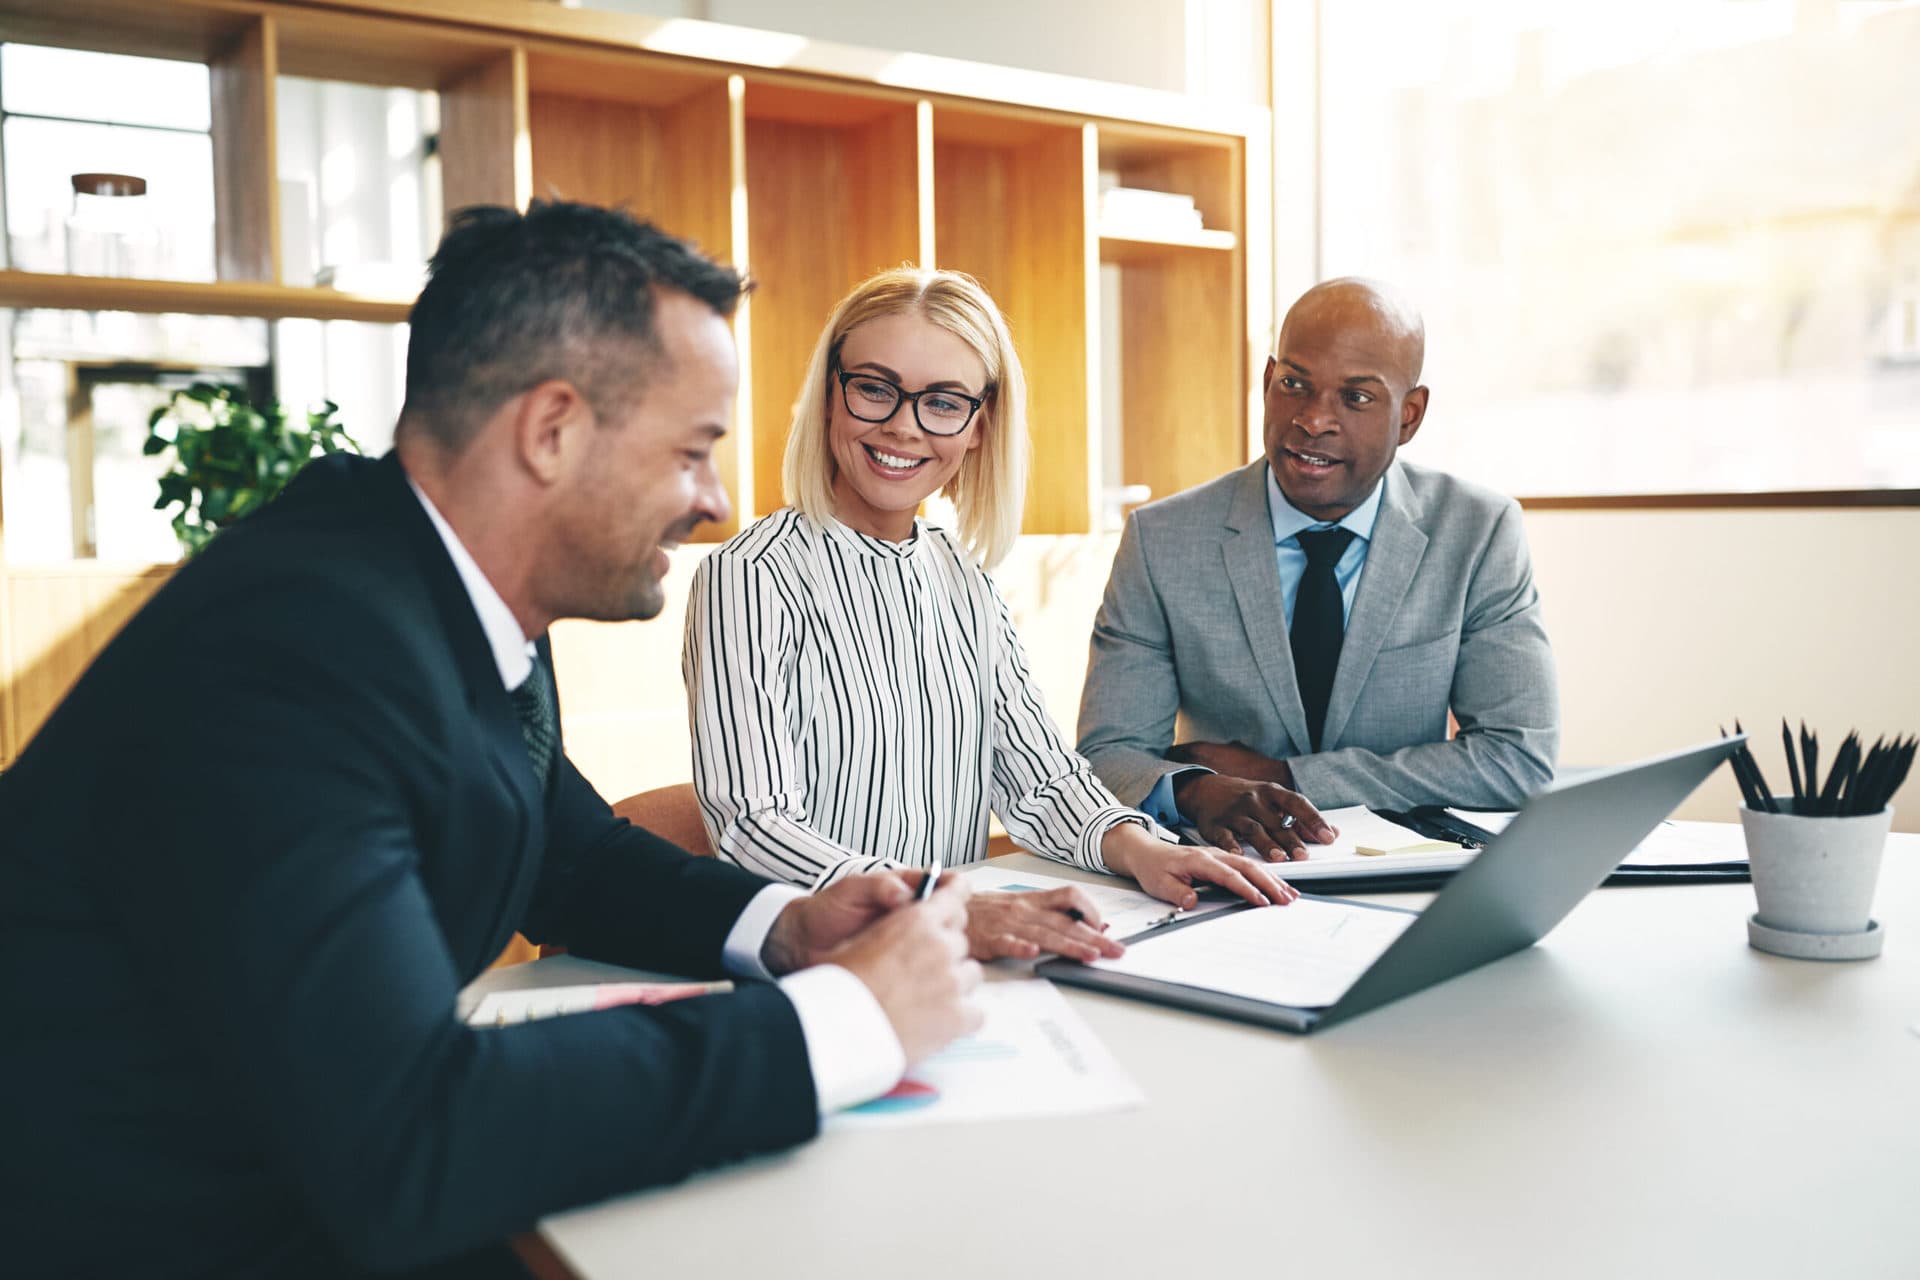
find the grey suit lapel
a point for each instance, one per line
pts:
(1398, 545)
(1255, 576)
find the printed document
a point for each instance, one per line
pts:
(1690, 844)
(1367, 845)
(1305, 954)
(1034, 1056)
(504, 1008)
(1491, 822)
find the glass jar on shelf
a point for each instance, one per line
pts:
(110, 231)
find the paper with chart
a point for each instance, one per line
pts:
(1124, 909)
(1033, 1057)
(1305, 954)
(505, 1008)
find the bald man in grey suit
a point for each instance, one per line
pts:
(1303, 626)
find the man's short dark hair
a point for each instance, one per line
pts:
(562, 291)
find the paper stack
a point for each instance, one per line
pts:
(1135, 211)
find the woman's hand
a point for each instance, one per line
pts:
(1172, 872)
(1022, 925)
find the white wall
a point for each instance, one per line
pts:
(1668, 624)
(1208, 48)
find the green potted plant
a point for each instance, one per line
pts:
(231, 457)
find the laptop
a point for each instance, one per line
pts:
(1559, 848)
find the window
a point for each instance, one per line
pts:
(75, 391)
(1660, 247)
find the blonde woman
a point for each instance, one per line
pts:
(858, 696)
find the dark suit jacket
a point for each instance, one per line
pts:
(244, 870)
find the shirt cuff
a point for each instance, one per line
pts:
(741, 953)
(851, 1047)
(1159, 803)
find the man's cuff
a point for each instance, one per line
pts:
(741, 954)
(851, 1047)
(1159, 803)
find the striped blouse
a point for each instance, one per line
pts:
(858, 703)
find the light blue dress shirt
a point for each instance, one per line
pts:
(1288, 522)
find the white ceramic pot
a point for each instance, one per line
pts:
(1815, 875)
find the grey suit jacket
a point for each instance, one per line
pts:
(1446, 618)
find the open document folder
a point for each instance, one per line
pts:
(1305, 969)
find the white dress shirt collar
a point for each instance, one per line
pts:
(512, 651)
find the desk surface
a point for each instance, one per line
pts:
(1641, 1094)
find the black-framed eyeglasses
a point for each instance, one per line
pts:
(938, 411)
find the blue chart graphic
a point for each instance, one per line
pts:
(908, 1095)
(973, 1050)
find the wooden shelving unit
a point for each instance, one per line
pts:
(1131, 247)
(810, 166)
(196, 297)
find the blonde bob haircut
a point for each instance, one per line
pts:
(990, 488)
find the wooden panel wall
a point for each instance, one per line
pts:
(1181, 371)
(704, 149)
(819, 228)
(888, 192)
(680, 165)
(1184, 358)
(799, 235)
(57, 620)
(485, 150)
(1014, 215)
(599, 152)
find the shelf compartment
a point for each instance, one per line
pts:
(1181, 363)
(1181, 377)
(668, 146)
(1011, 208)
(840, 188)
(1132, 246)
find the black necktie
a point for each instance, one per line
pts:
(1319, 623)
(539, 716)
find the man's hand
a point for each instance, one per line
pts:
(915, 962)
(816, 924)
(1170, 872)
(1231, 811)
(1236, 759)
(1022, 925)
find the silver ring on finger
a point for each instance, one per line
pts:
(1286, 822)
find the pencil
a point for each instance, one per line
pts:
(1793, 767)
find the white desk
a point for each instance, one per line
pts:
(1640, 1095)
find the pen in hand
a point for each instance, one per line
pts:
(1079, 917)
(928, 882)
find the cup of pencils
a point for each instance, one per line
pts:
(1815, 854)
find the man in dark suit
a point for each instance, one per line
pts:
(312, 789)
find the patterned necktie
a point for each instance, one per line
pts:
(1319, 623)
(539, 716)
